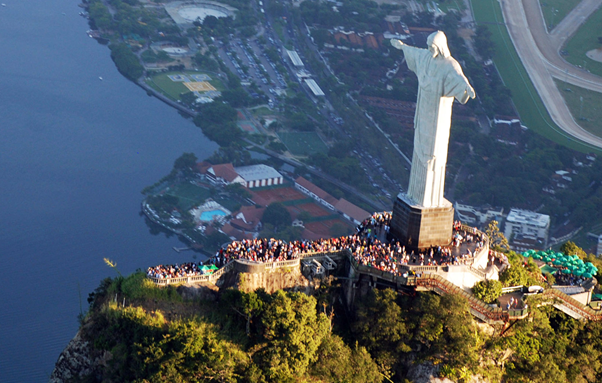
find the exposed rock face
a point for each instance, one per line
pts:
(204, 291)
(426, 373)
(76, 361)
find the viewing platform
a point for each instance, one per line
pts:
(457, 277)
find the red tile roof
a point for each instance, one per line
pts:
(351, 210)
(316, 190)
(232, 232)
(252, 216)
(225, 171)
(202, 167)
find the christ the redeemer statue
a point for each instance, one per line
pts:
(440, 80)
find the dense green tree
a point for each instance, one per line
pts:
(292, 333)
(186, 162)
(488, 290)
(382, 329)
(483, 43)
(126, 61)
(515, 275)
(277, 215)
(570, 248)
(218, 122)
(336, 362)
(99, 13)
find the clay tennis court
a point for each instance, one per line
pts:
(280, 194)
(312, 208)
(322, 229)
(202, 86)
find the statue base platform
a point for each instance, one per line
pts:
(419, 227)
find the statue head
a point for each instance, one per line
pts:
(437, 43)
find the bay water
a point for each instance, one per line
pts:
(75, 151)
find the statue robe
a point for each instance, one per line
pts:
(440, 81)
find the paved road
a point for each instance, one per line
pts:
(539, 53)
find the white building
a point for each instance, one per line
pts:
(314, 87)
(475, 216)
(524, 226)
(295, 59)
(255, 176)
(224, 174)
(315, 192)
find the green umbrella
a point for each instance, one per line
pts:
(586, 275)
(566, 271)
(578, 273)
(213, 267)
(536, 256)
(558, 262)
(204, 268)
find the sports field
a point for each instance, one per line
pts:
(322, 228)
(555, 10)
(280, 194)
(585, 39)
(189, 195)
(587, 113)
(314, 209)
(202, 86)
(530, 107)
(173, 84)
(303, 143)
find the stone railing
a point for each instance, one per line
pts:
(247, 266)
(194, 278)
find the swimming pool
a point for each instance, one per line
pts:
(211, 214)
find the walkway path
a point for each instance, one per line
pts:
(537, 49)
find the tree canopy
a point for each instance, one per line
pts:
(277, 215)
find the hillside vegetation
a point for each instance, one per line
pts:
(143, 333)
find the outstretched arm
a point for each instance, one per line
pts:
(397, 43)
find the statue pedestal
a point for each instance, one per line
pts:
(420, 227)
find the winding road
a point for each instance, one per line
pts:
(539, 50)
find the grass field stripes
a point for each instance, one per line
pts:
(303, 143)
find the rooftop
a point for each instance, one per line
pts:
(351, 210)
(528, 217)
(294, 56)
(313, 85)
(317, 191)
(225, 171)
(257, 172)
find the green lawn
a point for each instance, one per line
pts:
(189, 195)
(228, 203)
(262, 111)
(530, 107)
(584, 40)
(555, 10)
(587, 114)
(303, 143)
(173, 89)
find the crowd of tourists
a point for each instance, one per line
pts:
(188, 269)
(368, 246)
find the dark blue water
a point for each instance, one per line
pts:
(75, 152)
